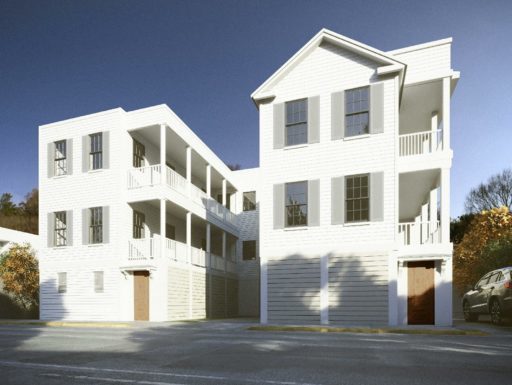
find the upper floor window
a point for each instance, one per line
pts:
(296, 204)
(96, 225)
(297, 122)
(357, 198)
(138, 224)
(250, 201)
(96, 151)
(60, 161)
(357, 111)
(249, 250)
(139, 151)
(60, 229)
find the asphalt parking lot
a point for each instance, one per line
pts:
(225, 352)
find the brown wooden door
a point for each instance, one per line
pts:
(421, 293)
(141, 295)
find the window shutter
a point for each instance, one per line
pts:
(377, 108)
(106, 149)
(278, 125)
(85, 226)
(338, 115)
(69, 156)
(86, 147)
(278, 206)
(50, 226)
(50, 159)
(314, 202)
(314, 119)
(106, 224)
(338, 200)
(69, 227)
(377, 196)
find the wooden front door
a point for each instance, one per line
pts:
(141, 295)
(421, 293)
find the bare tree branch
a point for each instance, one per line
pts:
(496, 192)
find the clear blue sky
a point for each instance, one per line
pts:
(60, 59)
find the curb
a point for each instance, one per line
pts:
(69, 324)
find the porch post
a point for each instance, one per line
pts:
(189, 169)
(224, 256)
(433, 215)
(163, 151)
(224, 189)
(445, 205)
(209, 180)
(189, 261)
(163, 234)
(434, 124)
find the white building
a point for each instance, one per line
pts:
(345, 221)
(9, 237)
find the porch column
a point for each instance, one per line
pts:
(445, 205)
(209, 180)
(434, 124)
(189, 169)
(189, 236)
(208, 268)
(425, 230)
(433, 215)
(163, 151)
(224, 254)
(224, 190)
(163, 234)
(446, 112)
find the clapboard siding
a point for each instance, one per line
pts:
(232, 297)
(358, 289)
(218, 297)
(199, 294)
(178, 293)
(294, 290)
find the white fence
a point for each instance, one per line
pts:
(419, 233)
(143, 249)
(144, 176)
(419, 143)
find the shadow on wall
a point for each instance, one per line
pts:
(51, 304)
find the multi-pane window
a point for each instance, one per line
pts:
(96, 151)
(357, 111)
(357, 198)
(296, 204)
(60, 162)
(249, 250)
(250, 201)
(98, 281)
(139, 151)
(138, 225)
(62, 282)
(297, 122)
(96, 225)
(60, 229)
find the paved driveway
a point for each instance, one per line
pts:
(226, 353)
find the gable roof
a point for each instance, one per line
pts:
(324, 35)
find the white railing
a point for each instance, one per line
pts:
(143, 249)
(419, 143)
(230, 217)
(198, 257)
(199, 195)
(176, 251)
(217, 262)
(176, 181)
(144, 176)
(419, 233)
(231, 266)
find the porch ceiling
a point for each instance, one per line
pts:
(418, 103)
(414, 188)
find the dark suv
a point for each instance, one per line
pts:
(491, 295)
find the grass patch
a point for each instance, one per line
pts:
(324, 329)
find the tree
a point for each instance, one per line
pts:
(459, 227)
(7, 206)
(19, 272)
(482, 247)
(496, 192)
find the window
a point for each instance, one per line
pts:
(138, 224)
(139, 151)
(250, 201)
(98, 281)
(96, 153)
(483, 281)
(494, 277)
(249, 250)
(297, 122)
(60, 162)
(59, 229)
(356, 112)
(96, 225)
(62, 282)
(357, 198)
(296, 204)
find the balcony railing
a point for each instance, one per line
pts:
(419, 233)
(146, 249)
(151, 175)
(420, 143)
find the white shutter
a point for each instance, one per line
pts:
(279, 123)
(278, 206)
(338, 200)
(338, 115)
(377, 108)
(314, 119)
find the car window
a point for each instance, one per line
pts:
(494, 277)
(483, 281)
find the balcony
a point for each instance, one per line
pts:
(419, 233)
(151, 176)
(421, 143)
(148, 249)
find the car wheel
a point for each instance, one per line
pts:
(496, 315)
(468, 316)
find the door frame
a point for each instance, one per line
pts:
(146, 295)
